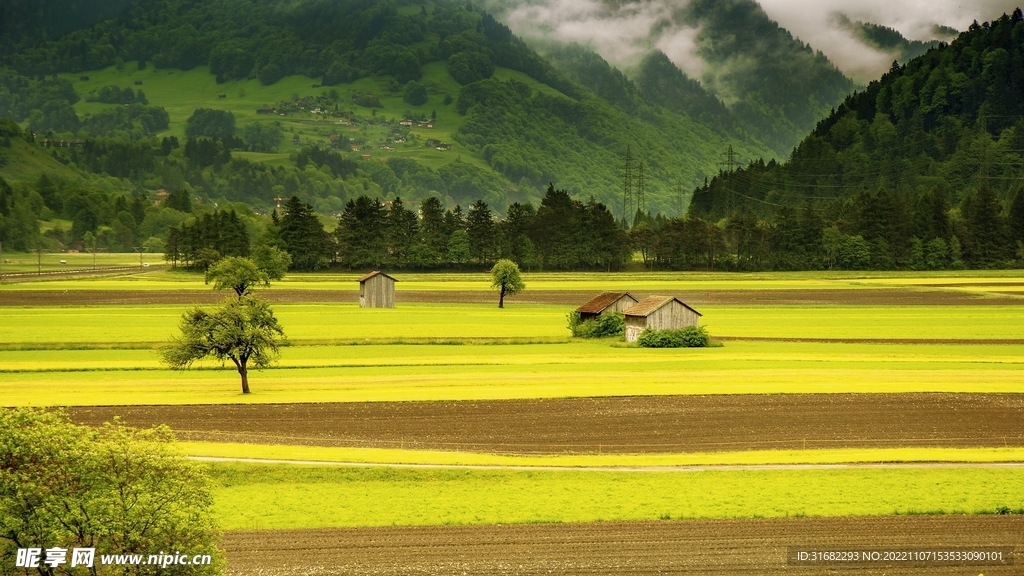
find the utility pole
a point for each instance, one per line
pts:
(140, 250)
(39, 259)
(1, 260)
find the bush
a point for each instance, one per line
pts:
(115, 489)
(612, 324)
(689, 337)
(415, 94)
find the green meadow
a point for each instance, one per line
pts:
(395, 372)
(410, 456)
(104, 325)
(248, 496)
(181, 92)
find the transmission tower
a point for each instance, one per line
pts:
(641, 190)
(627, 187)
(729, 165)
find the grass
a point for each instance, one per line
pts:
(248, 496)
(452, 458)
(181, 92)
(26, 162)
(74, 326)
(665, 282)
(439, 372)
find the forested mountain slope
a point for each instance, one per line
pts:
(515, 122)
(931, 151)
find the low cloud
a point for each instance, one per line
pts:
(816, 23)
(622, 32)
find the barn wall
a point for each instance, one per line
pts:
(634, 326)
(672, 316)
(377, 292)
(622, 304)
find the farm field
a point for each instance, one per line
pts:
(435, 372)
(251, 496)
(817, 370)
(99, 326)
(618, 425)
(757, 546)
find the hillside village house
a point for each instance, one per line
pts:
(377, 290)
(607, 302)
(659, 313)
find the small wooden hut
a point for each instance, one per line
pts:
(377, 290)
(607, 302)
(659, 313)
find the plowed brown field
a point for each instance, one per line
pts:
(621, 425)
(866, 296)
(757, 546)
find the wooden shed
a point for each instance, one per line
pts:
(607, 302)
(377, 290)
(659, 313)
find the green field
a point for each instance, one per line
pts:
(274, 497)
(181, 92)
(474, 372)
(98, 325)
(973, 281)
(338, 352)
(411, 456)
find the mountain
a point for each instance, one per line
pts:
(510, 122)
(934, 150)
(773, 86)
(889, 40)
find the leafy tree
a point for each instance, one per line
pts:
(210, 123)
(470, 66)
(263, 136)
(459, 247)
(237, 273)
(271, 260)
(506, 280)
(115, 489)
(243, 330)
(415, 94)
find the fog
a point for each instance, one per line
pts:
(816, 23)
(623, 31)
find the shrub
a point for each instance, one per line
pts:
(689, 337)
(612, 324)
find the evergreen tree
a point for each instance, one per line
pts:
(480, 228)
(303, 235)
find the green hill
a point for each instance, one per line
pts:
(356, 62)
(931, 152)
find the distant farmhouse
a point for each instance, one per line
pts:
(659, 313)
(377, 290)
(607, 302)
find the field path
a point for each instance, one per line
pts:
(698, 468)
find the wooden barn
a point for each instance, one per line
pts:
(377, 290)
(607, 302)
(659, 313)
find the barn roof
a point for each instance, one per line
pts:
(376, 273)
(598, 304)
(652, 303)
